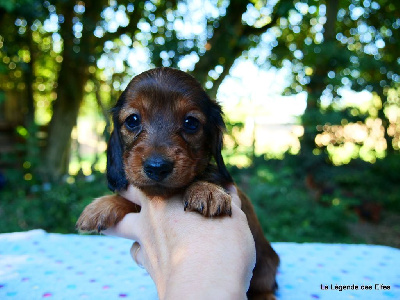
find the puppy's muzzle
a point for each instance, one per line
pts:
(157, 168)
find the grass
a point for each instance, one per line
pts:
(285, 209)
(288, 211)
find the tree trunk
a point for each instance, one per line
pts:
(70, 87)
(73, 76)
(309, 118)
(228, 42)
(385, 124)
(222, 47)
(65, 114)
(312, 115)
(29, 78)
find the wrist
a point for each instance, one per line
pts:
(201, 282)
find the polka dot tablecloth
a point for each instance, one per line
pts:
(335, 271)
(37, 265)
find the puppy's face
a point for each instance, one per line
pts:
(166, 130)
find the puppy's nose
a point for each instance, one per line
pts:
(157, 168)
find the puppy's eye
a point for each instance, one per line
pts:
(191, 124)
(132, 122)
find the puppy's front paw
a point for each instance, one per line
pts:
(104, 213)
(208, 199)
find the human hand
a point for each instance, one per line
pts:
(187, 254)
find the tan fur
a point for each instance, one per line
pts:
(208, 199)
(105, 212)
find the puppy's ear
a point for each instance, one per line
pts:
(217, 133)
(115, 166)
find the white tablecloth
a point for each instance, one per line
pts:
(36, 265)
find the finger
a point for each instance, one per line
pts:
(127, 228)
(232, 190)
(137, 254)
(133, 194)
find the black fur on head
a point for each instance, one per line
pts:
(115, 166)
(216, 132)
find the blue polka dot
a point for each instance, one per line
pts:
(389, 294)
(288, 286)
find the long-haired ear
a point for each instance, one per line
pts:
(115, 166)
(217, 134)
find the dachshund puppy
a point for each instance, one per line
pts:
(167, 139)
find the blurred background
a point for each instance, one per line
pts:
(310, 91)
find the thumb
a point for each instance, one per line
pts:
(127, 228)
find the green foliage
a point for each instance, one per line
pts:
(361, 52)
(27, 202)
(377, 183)
(2, 96)
(284, 206)
(11, 5)
(54, 208)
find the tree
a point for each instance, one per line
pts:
(19, 52)
(336, 44)
(80, 48)
(376, 66)
(86, 31)
(307, 40)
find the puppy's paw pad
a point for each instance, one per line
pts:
(208, 199)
